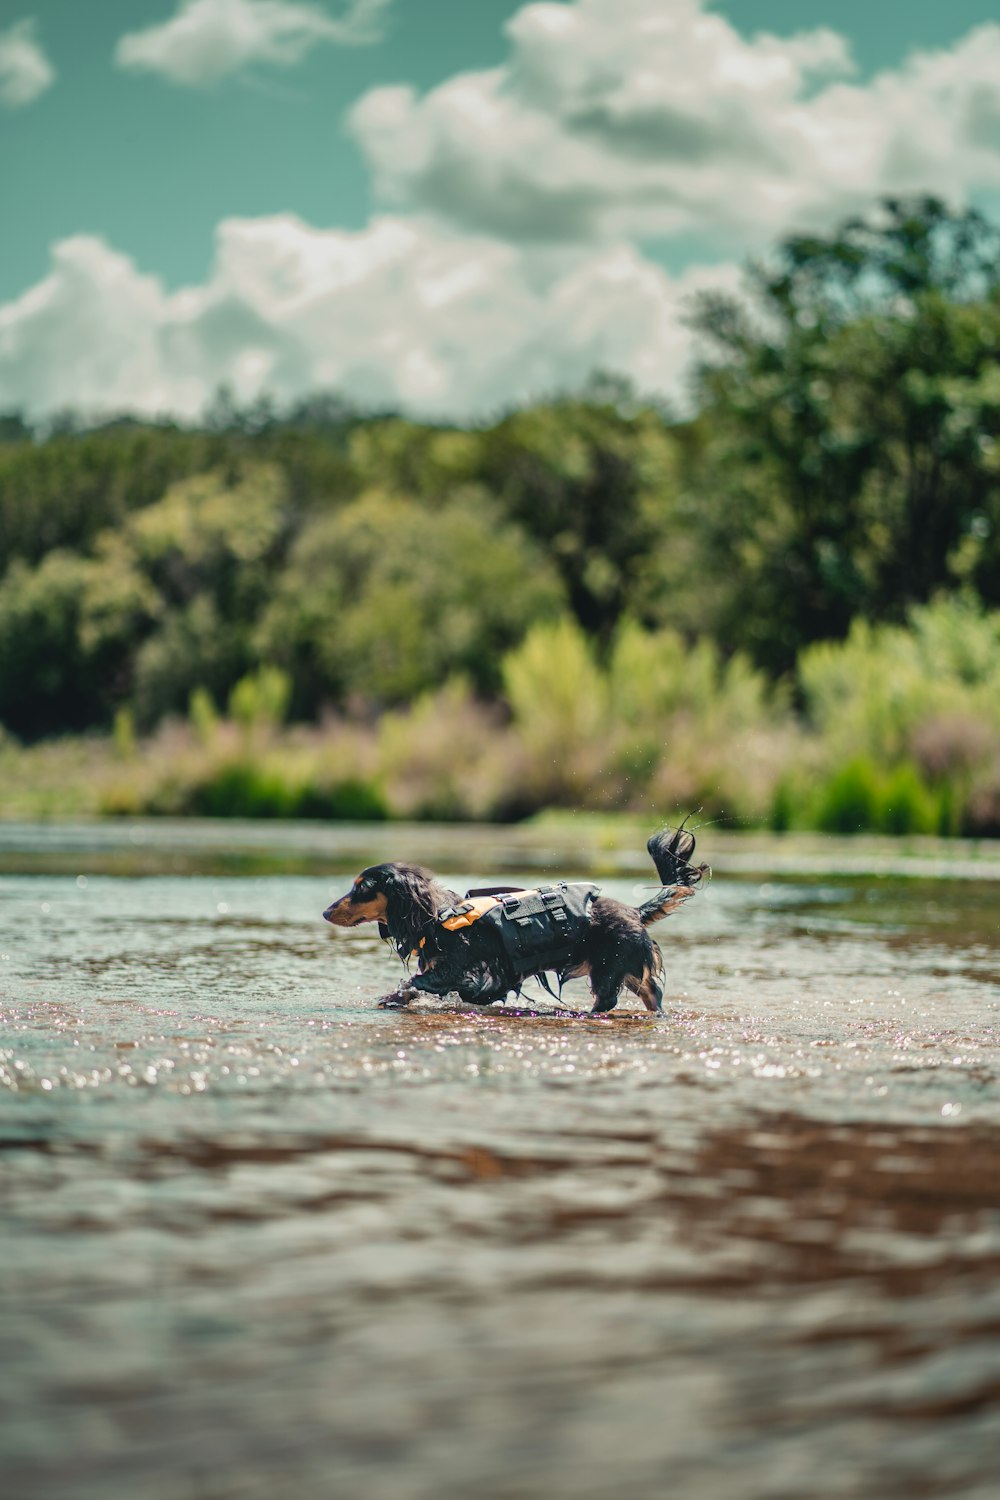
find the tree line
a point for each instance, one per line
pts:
(841, 465)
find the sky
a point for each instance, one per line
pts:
(441, 206)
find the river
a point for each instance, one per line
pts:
(262, 1239)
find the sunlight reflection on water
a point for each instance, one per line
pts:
(260, 1235)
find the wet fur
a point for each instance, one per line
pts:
(615, 950)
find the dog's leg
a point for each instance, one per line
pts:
(414, 985)
(482, 986)
(399, 999)
(649, 988)
(609, 974)
(649, 985)
(606, 980)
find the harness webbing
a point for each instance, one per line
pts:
(540, 930)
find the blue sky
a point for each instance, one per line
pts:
(509, 225)
(154, 167)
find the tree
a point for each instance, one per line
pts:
(849, 421)
(596, 486)
(164, 603)
(384, 599)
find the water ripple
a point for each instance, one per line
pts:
(261, 1237)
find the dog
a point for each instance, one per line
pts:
(483, 946)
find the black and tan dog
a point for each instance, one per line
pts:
(484, 945)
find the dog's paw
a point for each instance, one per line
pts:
(398, 1000)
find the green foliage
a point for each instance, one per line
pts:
(659, 722)
(849, 802)
(884, 689)
(196, 646)
(687, 729)
(655, 675)
(597, 484)
(208, 534)
(66, 629)
(242, 788)
(261, 699)
(64, 492)
(380, 600)
(923, 701)
(622, 608)
(558, 695)
(848, 430)
(908, 805)
(783, 806)
(396, 457)
(450, 756)
(861, 797)
(123, 734)
(39, 610)
(164, 604)
(203, 714)
(352, 800)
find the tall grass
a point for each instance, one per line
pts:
(658, 722)
(899, 732)
(246, 765)
(913, 713)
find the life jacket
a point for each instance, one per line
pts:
(540, 930)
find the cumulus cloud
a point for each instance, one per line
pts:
(514, 268)
(632, 119)
(400, 313)
(207, 40)
(25, 71)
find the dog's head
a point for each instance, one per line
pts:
(366, 901)
(403, 899)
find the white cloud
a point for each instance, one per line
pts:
(25, 71)
(399, 313)
(206, 40)
(635, 118)
(515, 270)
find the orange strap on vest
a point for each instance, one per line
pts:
(468, 912)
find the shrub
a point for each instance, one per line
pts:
(123, 734)
(559, 700)
(908, 805)
(451, 756)
(351, 800)
(863, 798)
(876, 691)
(255, 786)
(203, 715)
(923, 701)
(260, 700)
(850, 800)
(783, 806)
(243, 789)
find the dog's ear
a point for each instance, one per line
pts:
(383, 932)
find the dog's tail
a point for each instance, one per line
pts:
(672, 851)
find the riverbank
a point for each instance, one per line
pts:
(556, 844)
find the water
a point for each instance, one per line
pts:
(261, 1238)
